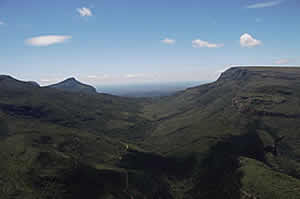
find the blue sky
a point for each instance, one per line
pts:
(143, 41)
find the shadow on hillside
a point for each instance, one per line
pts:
(219, 175)
(148, 172)
(87, 182)
(4, 132)
(158, 164)
(77, 180)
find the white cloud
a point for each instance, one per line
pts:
(46, 80)
(132, 76)
(246, 40)
(1, 23)
(281, 61)
(92, 76)
(168, 41)
(85, 12)
(99, 76)
(265, 4)
(204, 44)
(47, 40)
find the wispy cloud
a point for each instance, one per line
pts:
(133, 76)
(47, 40)
(49, 80)
(1, 23)
(204, 44)
(99, 76)
(85, 12)
(168, 41)
(46, 80)
(281, 61)
(92, 76)
(246, 40)
(265, 4)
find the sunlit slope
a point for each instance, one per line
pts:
(263, 182)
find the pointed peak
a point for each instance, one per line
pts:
(73, 85)
(73, 79)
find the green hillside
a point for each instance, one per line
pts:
(247, 107)
(268, 97)
(72, 85)
(237, 137)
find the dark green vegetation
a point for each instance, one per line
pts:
(238, 137)
(72, 85)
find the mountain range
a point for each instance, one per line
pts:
(235, 138)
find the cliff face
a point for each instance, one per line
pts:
(72, 85)
(271, 92)
(267, 98)
(236, 73)
(242, 114)
(243, 73)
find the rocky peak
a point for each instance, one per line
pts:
(72, 79)
(235, 73)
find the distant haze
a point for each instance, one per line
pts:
(147, 90)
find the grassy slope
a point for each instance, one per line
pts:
(53, 132)
(31, 159)
(98, 113)
(226, 107)
(68, 145)
(199, 118)
(261, 181)
(46, 133)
